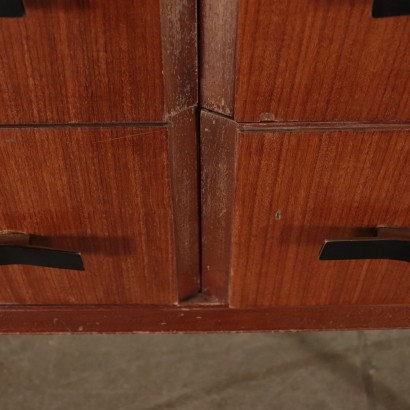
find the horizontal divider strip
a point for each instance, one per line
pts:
(87, 124)
(318, 126)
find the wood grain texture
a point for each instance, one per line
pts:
(75, 61)
(179, 54)
(183, 153)
(217, 183)
(218, 22)
(161, 319)
(320, 60)
(278, 126)
(105, 192)
(296, 189)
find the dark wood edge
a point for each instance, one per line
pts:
(179, 55)
(218, 22)
(135, 319)
(217, 137)
(157, 124)
(183, 158)
(321, 126)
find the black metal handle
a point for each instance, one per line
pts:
(15, 249)
(390, 8)
(12, 8)
(390, 243)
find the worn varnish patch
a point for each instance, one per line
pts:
(179, 54)
(217, 58)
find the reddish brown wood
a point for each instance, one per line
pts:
(308, 60)
(133, 319)
(323, 126)
(179, 54)
(103, 191)
(217, 183)
(218, 22)
(185, 191)
(296, 189)
(98, 61)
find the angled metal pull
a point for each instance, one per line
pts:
(15, 249)
(12, 8)
(390, 243)
(390, 8)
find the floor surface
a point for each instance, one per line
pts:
(296, 371)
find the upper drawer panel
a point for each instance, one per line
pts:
(97, 61)
(306, 60)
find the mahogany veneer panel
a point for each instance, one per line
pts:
(295, 189)
(105, 192)
(98, 61)
(306, 60)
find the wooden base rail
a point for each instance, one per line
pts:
(174, 319)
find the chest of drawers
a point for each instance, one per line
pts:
(198, 156)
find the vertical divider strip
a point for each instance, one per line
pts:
(179, 55)
(218, 31)
(217, 141)
(183, 153)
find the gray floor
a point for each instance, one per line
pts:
(332, 370)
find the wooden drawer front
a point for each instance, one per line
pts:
(293, 190)
(321, 60)
(102, 191)
(304, 60)
(97, 61)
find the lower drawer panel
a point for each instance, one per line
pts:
(105, 192)
(295, 189)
